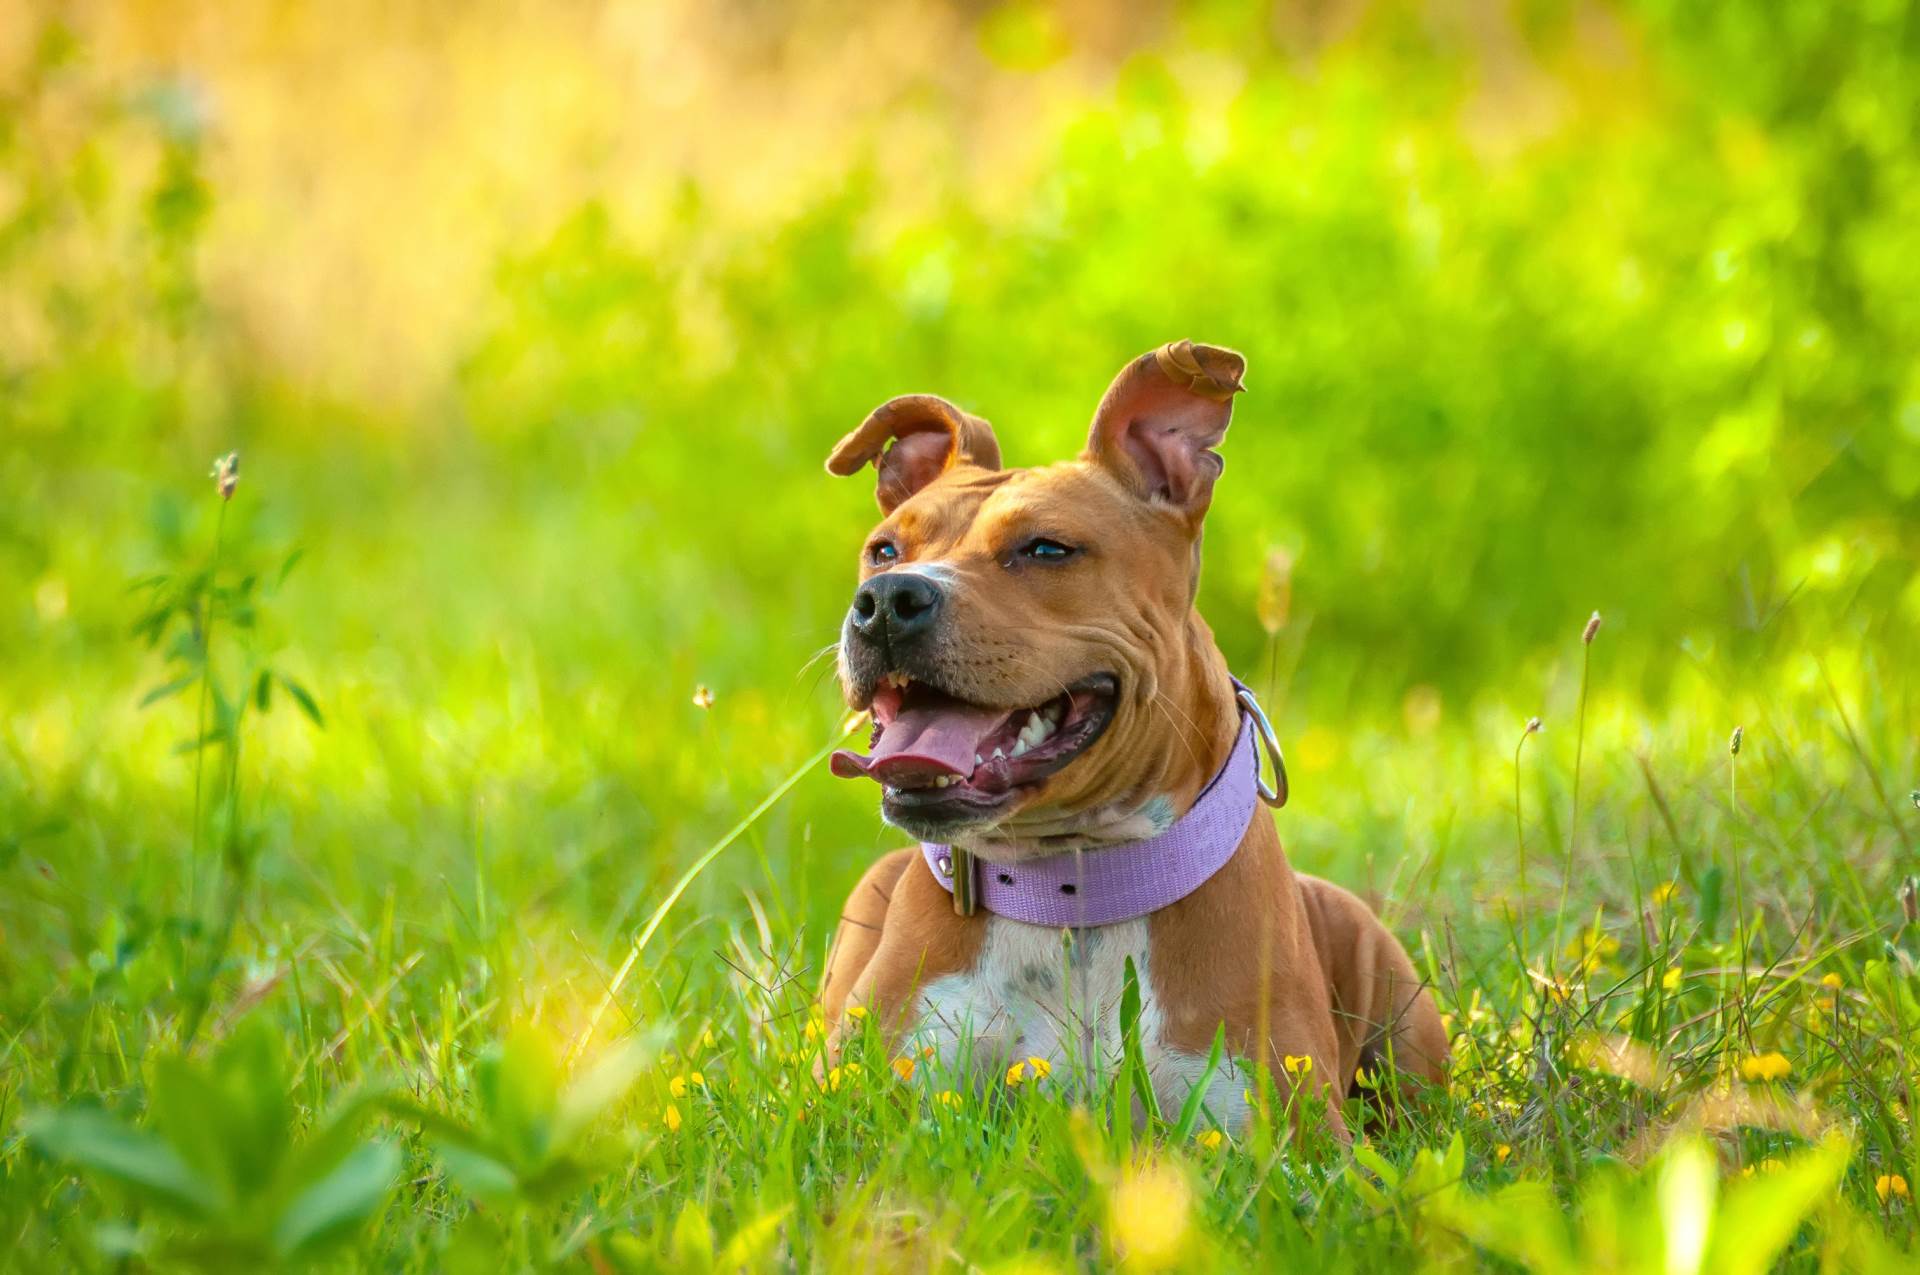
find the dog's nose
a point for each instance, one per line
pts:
(895, 607)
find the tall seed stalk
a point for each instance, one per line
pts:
(1519, 833)
(226, 477)
(1739, 871)
(1579, 756)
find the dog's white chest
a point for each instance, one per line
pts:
(1056, 994)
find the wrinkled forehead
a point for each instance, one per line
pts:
(970, 504)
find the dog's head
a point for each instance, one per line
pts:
(1025, 638)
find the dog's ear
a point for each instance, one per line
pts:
(928, 435)
(1161, 418)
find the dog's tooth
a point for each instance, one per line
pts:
(1019, 748)
(999, 754)
(976, 759)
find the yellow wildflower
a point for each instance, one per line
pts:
(1040, 1067)
(677, 1086)
(1016, 1073)
(1148, 1218)
(903, 1067)
(835, 1075)
(856, 1012)
(1832, 980)
(1664, 893)
(1671, 979)
(1890, 1186)
(1502, 1153)
(1297, 1065)
(947, 1098)
(1209, 1139)
(672, 1117)
(1765, 1068)
(1367, 1078)
(699, 1081)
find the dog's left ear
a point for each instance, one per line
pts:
(1161, 418)
(929, 436)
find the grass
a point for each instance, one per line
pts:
(1591, 1068)
(423, 861)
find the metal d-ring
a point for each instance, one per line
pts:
(1276, 794)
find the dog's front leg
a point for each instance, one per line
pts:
(921, 941)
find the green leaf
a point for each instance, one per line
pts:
(1197, 1096)
(478, 1173)
(192, 1114)
(167, 689)
(439, 1125)
(1136, 1059)
(333, 1138)
(518, 1087)
(1686, 1184)
(1524, 1223)
(748, 1247)
(693, 1238)
(303, 699)
(1762, 1213)
(218, 735)
(263, 691)
(92, 1139)
(339, 1202)
(1380, 1166)
(251, 1073)
(604, 1084)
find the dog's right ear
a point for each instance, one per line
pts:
(929, 436)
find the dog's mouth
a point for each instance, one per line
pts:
(942, 757)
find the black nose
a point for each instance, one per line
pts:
(895, 607)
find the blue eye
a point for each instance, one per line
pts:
(882, 551)
(1044, 550)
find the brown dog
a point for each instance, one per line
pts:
(1042, 689)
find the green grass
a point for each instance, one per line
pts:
(361, 986)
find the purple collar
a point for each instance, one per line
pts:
(1126, 881)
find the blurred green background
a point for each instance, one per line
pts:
(533, 325)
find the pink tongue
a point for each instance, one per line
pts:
(943, 739)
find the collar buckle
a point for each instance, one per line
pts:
(1274, 794)
(962, 869)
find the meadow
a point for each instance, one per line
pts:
(416, 846)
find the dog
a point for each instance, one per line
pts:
(1054, 723)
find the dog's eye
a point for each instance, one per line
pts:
(882, 551)
(1044, 550)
